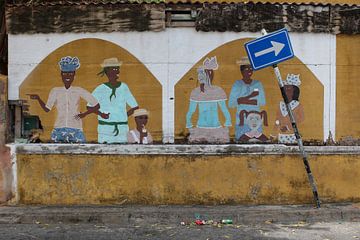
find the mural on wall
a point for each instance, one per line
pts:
(246, 94)
(208, 98)
(140, 134)
(254, 120)
(68, 124)
(113, 96)
(253, 98)
(282, 122)
(113, 84)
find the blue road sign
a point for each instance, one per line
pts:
(270, 49)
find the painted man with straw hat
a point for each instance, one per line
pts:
(246, 94)
(114, 97)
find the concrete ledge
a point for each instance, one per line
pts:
(175, 149)
(130, 214)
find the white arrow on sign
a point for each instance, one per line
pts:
(276, 47)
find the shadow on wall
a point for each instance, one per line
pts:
(228, 58)
(93, 55)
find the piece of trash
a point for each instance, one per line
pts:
(199, 222)
(355, 237)
(268, 221)
(37, 222)
(183, 223)
(209, 222)
(226, 221)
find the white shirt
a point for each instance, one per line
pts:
(67, 105)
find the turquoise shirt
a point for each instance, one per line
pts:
(241, 89)
(114, 101)
(208, 114)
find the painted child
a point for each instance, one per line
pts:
(254, 120)
(140, 134)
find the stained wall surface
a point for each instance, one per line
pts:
(184, 179)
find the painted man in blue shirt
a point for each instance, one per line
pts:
(114, 97)
(246, 94)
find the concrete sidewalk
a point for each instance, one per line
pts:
(134, 214)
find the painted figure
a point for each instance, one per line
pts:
(282, 124)
(254, 120)
(114, 97)
(68, 124)
(246, 94)
(140, 133)
(208, 98)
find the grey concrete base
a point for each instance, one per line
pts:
(178, 149)
(125, 215)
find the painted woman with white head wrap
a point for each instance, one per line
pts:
(208, 97)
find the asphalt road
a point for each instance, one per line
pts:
(261, 231)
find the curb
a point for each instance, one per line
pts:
(128, 215)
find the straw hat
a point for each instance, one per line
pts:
(141, 112)
(243, 61)
(111, 62)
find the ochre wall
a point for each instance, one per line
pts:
(347, 86)
(311, 90)
(181, 179)
(91, 52)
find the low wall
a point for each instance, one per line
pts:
(182, 174)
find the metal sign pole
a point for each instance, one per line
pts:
(297, 135)
(296, 132)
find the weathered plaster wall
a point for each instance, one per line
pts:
(255, 174)
(348, 91)
(169, 55)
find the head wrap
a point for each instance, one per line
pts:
(293, 79)
(69, 64)
(210, 63)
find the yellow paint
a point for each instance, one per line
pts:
(178, 179)
(311, 90)
(347, 86)
(91, 52)
(350, 2)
